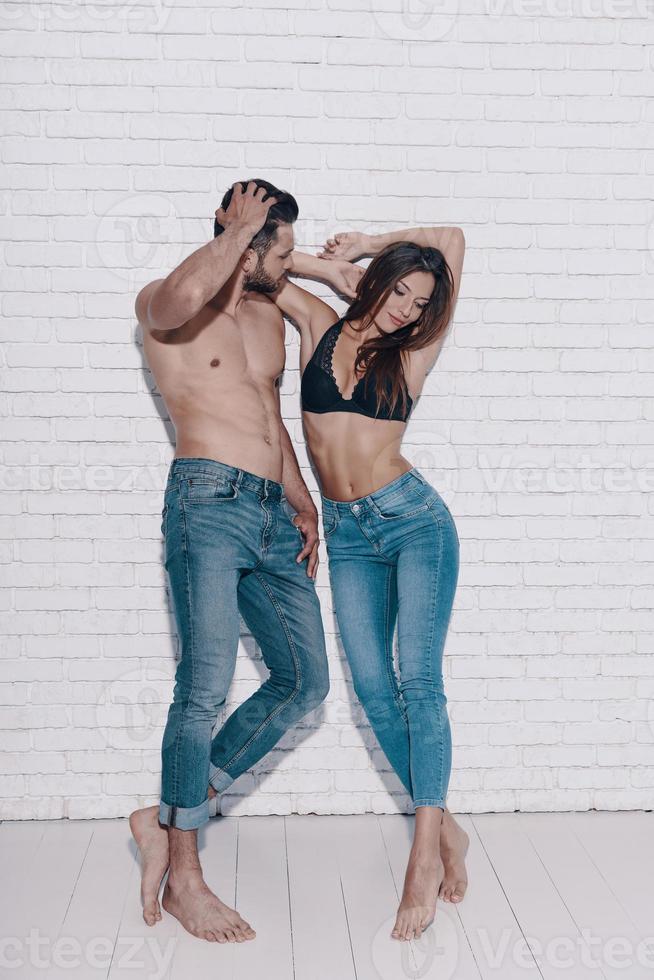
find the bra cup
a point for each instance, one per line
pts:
(321, 394)
(368, 404)
(317, 390)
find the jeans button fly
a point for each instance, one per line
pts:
(355, 508)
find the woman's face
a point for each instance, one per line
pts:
(406, 301)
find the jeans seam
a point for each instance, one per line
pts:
(434, 599)
(189, 602)
(432, 624)
(390, 672)
(298, 673)
(442, 708)
(374, 544)
(268, 523)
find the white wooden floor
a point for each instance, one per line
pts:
(551, 896)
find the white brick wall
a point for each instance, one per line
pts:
(531, 129)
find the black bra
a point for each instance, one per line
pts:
(320, 392)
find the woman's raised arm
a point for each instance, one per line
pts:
(311, 314)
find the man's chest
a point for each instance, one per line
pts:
(229, 349)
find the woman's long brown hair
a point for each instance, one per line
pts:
(383, 356)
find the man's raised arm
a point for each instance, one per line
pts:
(168, 303)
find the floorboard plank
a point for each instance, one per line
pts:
(321, 941)
(587, 896)
(262, 898)
(36, 903)
(536, 904)
(369, 894)
(95, 911)
(487, 916)
(621, 845)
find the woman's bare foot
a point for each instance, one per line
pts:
(453, 847)
(422, 882)
(152, 841)
(201, 912)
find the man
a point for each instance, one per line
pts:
(236, 510)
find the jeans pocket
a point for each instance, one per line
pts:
(404, 503)
(205, 490)
(330, 522)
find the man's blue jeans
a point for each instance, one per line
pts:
(231, 548)
(394, 557)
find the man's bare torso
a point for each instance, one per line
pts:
(217, 375)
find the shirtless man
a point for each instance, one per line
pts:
(236, 510)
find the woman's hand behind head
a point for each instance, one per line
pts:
(349, 245)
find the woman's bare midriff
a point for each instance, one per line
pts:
(354, 455)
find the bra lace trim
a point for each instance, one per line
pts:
(326, 354)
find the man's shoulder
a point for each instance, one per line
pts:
(266, 309)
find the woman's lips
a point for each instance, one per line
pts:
(398, 323)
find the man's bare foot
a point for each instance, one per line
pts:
(422, 882)
(453, 847)
(201, 912)
(152, 841)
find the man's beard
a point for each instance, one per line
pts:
(260, 282)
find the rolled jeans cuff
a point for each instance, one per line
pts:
(184, 817)
(218, 778)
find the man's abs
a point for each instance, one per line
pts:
(242, 436)
(217, 378)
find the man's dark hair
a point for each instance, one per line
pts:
(284, 211)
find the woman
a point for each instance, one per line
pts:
(392, 544)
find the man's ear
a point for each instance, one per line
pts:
(249, 260)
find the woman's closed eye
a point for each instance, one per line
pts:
(419, 306)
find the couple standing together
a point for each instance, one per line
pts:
(241, 528)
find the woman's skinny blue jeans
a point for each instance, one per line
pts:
(394, 559)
